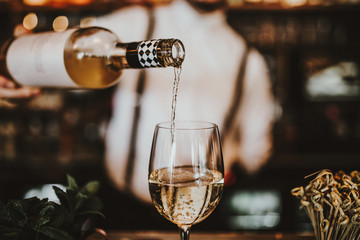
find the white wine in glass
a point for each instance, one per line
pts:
(186, 172)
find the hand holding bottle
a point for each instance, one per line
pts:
(8, 90)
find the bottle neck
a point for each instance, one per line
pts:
(171, 52)
(150, 54)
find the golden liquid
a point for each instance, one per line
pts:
(183, 198)
(90, 71)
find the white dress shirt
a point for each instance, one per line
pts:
(209, 74)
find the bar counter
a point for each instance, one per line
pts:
(156, 235)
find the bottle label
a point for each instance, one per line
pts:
(38, 60)
(147, 54)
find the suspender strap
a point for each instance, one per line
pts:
(141, 84)
(233, 109)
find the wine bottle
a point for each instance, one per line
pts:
(89, 58)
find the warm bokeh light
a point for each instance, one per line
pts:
(271, 1)
(35, 2)
(87, 21)
(253, 1)
(80, 2)
(294, 3)
(60, 23)
(30, 21)
(58, 3)
(234, 3)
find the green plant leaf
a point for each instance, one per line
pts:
(79, 199)
(94, 203)
(58, 216)
(63, 197)
(91, 188)
(72, 185)
(17, 217)
(35, 219)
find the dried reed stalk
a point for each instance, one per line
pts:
(332, 204)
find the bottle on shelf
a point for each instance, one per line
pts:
(89, 58)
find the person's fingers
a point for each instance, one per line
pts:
(20, 30)
(6, 83)
(15, 93)
(8, 90)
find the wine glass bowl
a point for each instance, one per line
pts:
(186, 173)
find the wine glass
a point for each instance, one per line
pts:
(186, 172)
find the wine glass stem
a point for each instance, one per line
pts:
(184, 232)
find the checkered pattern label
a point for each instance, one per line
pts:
(147, 54)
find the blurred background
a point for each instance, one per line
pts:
(312, 48)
